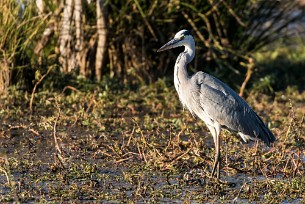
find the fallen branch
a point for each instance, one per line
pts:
(54, 129)
(248, 76)
(24, 127)
(35, 87)
(70, 87)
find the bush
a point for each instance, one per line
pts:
(227, 34)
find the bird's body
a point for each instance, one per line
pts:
(213, 101)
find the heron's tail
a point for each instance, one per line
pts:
(265, 134)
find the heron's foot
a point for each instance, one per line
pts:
(223, 182)
(195, 176)
(216, 168)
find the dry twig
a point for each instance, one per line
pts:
(24, 127)
(35, 87)
(248, 76)
(54, 128)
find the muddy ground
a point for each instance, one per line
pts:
(140, 146)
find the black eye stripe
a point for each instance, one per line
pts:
(186, 32)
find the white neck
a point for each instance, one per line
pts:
(190, 50)
(181, 76)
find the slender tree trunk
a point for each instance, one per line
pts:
(40, 6)
(4, 75)
(79, 46)
(102, 37)
(67, 58)
(47, 34)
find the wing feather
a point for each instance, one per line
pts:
(224, 106)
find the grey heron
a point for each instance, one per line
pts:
(213, 101)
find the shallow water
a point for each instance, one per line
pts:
(86, 172)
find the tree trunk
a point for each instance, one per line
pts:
(4, 75)
(79, 46)
(40, 6)
(67, 58)
(102, 37)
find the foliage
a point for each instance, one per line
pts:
(227, 34)
(140, 146)
(19, 29)
(104, 142)
(282, 65)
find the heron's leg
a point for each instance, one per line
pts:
(216, 161)
(216, 166)
(218, 157)
(216, 132)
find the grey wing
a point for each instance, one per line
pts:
(224, 106)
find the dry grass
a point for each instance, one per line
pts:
(141, 146)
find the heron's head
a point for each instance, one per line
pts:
(182, 38)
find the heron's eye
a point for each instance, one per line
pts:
(182, 37)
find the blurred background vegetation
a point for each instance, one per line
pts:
(50, 44)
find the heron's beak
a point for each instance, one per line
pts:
(169, 45)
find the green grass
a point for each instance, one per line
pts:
(281, 66)
(140, 146)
